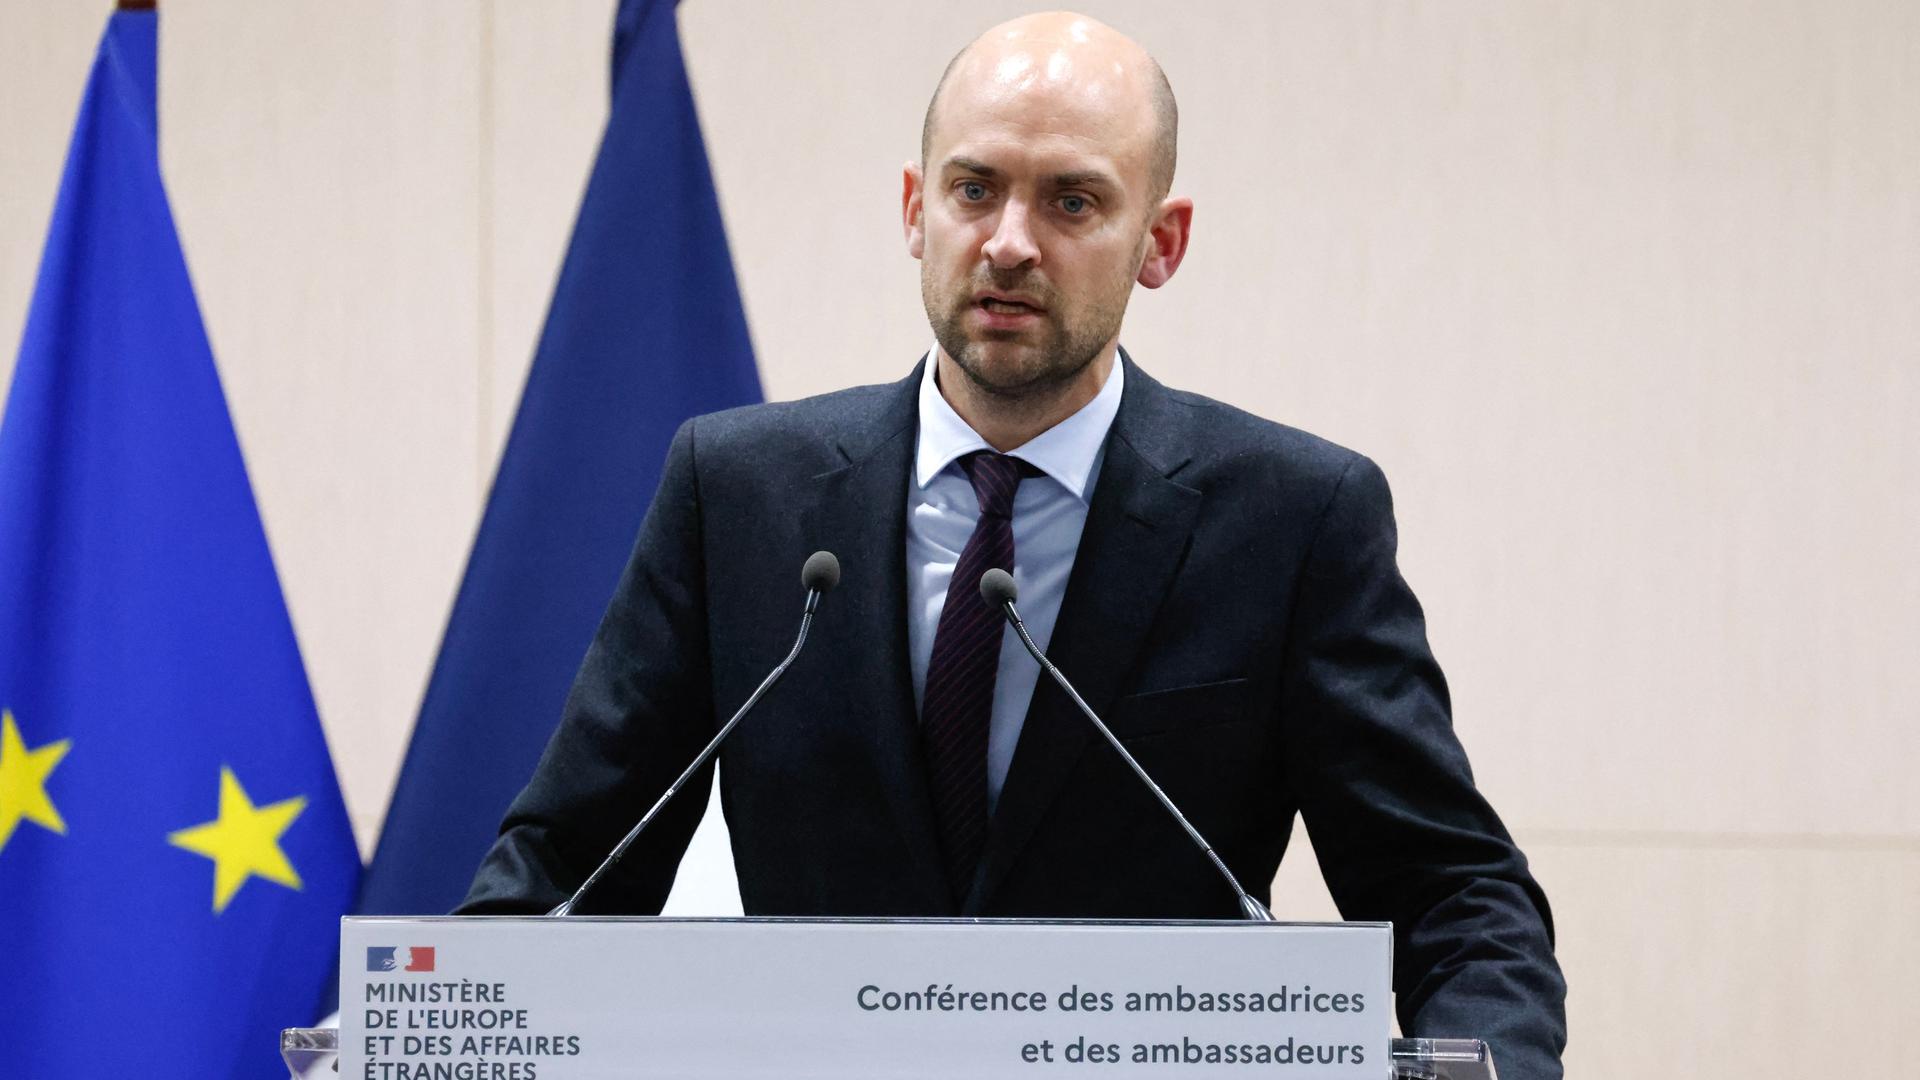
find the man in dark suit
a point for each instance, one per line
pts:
(1222, 588)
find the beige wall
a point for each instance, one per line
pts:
(1621, 295)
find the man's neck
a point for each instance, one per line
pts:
(1006, 422)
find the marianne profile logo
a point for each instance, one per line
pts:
(395, 958)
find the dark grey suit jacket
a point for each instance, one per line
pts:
(1234, 611)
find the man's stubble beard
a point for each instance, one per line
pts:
(1062, 352)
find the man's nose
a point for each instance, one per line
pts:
(1012, 242)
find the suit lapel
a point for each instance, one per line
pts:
(859, 514)
(1134, 541)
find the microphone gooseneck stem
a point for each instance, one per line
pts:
(1253, 909)
(806, 621)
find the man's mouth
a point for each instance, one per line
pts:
(1007, 307)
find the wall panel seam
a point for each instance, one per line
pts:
(1892, 843)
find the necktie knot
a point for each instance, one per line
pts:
(995, 478)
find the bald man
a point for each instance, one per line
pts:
(1221, 588)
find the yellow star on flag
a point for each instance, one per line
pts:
(243, 842)
(23, 781)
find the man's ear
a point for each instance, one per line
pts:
(1166, 241)
(912, 191)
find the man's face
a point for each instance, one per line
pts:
(1033, 214)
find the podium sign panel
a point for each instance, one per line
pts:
(560, 999)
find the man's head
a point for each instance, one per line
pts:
(1041, 197)
(1166, 111)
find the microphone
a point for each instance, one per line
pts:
(820, 574)
(999, 591)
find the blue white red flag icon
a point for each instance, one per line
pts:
(394, 958)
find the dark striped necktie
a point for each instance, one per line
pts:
(956, 708)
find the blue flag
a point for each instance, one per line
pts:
(645, 330)
(174, 854)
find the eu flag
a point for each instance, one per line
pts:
(174, 854)
(645, 330)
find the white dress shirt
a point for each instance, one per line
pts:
(1049, 513)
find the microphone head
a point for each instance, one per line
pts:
(997, 588)
(821, 573)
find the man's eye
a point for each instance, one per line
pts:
(1075, 205)
(973, 191)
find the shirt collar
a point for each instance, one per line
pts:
(1066, 451)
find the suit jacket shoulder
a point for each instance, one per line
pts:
(1223, 432)
(805, 436)
(1188, 436)
(1259, 472)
